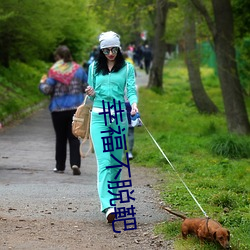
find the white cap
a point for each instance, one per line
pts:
(109, 39)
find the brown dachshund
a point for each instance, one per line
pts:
(204, 229)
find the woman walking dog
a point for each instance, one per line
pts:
(108, 78)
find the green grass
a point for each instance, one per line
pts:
(214, 164)
(19, 88)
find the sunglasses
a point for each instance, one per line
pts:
(106, 51)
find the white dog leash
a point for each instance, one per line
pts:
(174, 170)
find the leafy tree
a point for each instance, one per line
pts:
(126, 17)
(156, 72)
(78, 29)
(221, 28)
(175, 24)
(242, 33)
(241, 18)
(201, 99)
(23, 33)
(28, 33)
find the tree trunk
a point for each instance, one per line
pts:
(223, 38)
(235, 109)
(201, 99)
(159, 47)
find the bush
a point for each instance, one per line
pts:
(224, 200)
(19, 88)
(231, 146)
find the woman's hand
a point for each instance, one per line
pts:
(134, 109)
(43, 79)
(90, 91)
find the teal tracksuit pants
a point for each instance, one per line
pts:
(103, 156)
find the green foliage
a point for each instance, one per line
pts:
(219, 183)
(241, 17)
(19, 87)
(170, 230)
(29, 33)
(176, 18)
(243, 59)
(128, 18)
(175, 25)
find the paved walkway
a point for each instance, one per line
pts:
(141, 78)
(30, 189)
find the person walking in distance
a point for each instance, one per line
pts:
(65, 83)
(108, 78)
(147, 54)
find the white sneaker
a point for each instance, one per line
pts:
(58, 171)
(76, 170)
(130, 156)
(110, 214)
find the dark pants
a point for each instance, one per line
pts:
(147, 65)
(62, 122)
